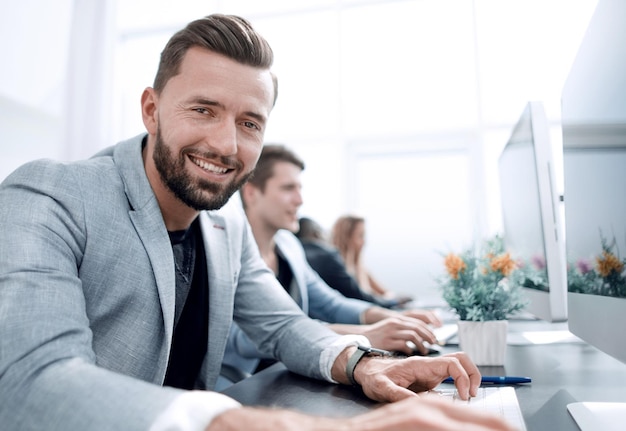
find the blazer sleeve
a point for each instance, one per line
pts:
(269, 316)
(49, 375)
(328, 264)
(324, 302)
(327, 304)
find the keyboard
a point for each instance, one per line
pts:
(445, 332)
(501, 400)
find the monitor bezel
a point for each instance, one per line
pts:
(552, 305)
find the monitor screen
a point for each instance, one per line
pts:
(593, 106)
(594, 164)
(533, 230)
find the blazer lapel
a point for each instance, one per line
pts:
(154, 236)
(145, 215)
(222, 281)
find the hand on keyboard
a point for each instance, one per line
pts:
(428, 413)
(392, 380)
(501, 401)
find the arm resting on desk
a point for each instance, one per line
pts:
(430, 413)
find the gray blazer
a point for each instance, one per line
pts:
(87, 296)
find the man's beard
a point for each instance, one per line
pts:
(197, 194)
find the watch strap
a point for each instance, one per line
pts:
(356, 358)
(352, 363)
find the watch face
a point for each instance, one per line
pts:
(374, 351)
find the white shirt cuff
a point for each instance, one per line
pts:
(193, 411)
(330, 353)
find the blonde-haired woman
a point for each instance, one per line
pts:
(348, 236)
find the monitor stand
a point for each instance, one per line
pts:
(598, 416)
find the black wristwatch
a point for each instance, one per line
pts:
(358, 355)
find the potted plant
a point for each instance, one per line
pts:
(484, 288)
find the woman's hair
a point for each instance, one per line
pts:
(342, 233)
(341, 237)
(229, 35)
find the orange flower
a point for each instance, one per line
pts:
(454, 265)
(608, 263)
(503, 263)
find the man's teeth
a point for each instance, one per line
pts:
(209, 166)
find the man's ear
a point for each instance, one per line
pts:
(149, 112)
(247, 193)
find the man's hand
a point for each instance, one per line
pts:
(396, 379)
(375, 314)
(427, 316)
(384, 379)
(393, 334)
(426, 412)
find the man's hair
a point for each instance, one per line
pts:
(264, 170)
(229, 35)
(309, 230)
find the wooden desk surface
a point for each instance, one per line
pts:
(561, 373)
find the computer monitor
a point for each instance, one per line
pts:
(533, 229)
(593, 106)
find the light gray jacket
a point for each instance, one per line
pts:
(87, 296)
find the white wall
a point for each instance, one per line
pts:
(399, 108)
(34, 38)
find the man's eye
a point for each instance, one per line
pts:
(250, 125)
(201, 110)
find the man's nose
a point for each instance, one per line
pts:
(223, 138)
(298, 198)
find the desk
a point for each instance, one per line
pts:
(561, 373)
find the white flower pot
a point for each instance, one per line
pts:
(484, 342)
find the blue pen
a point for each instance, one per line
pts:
(498, 380)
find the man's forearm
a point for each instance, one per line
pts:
(344, 329)
(259, 419)
(376, 313)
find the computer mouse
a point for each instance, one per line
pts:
(433, 349)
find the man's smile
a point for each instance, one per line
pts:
(210, 167)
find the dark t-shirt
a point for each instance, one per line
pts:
(191, 327)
